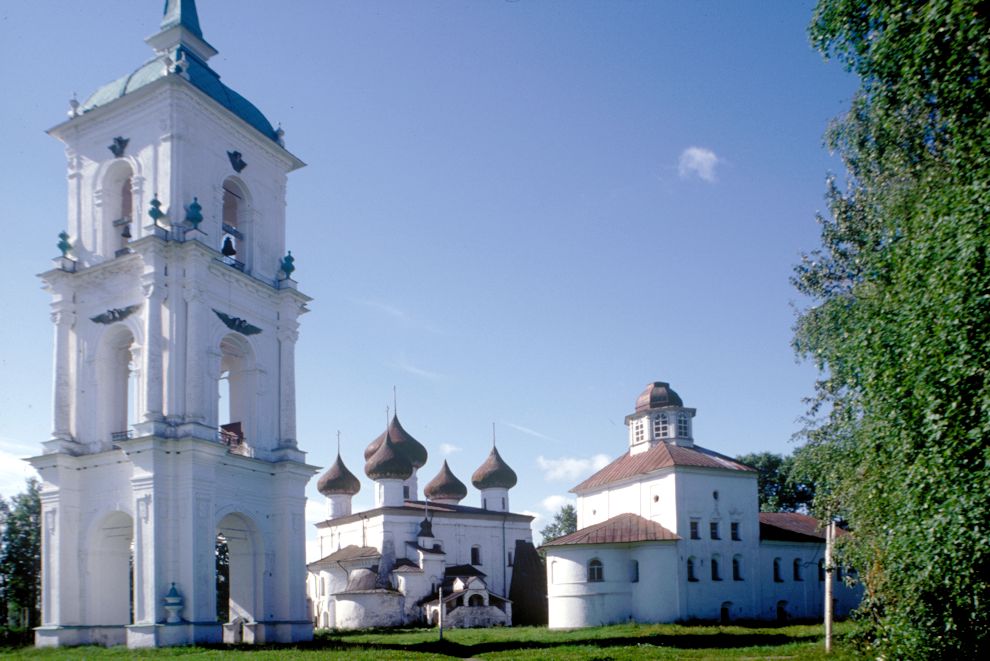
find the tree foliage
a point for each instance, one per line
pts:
(899, 320)
(20, 558)
(781, 484)
(564, 523)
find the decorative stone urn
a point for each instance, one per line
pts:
(173, 606)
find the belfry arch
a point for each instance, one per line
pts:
(245, 574)
(108, 571)
(119, 210)
(118, 384)
(237, 392)
(235, 216)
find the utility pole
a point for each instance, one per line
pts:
(829, 541)
(440, 612)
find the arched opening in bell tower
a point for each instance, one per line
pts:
(118, 209)
(119, 385)
(110, 571)
(236, 392)
(238, 539)
(234, 224)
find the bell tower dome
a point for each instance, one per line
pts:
(176, 318)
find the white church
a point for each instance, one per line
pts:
(671, 531)
(412, 561)
(176, 320)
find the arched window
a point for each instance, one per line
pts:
(737, 568)
(634, 571)
(233, 235)
(797, 569)
(821, 570)
(661, 425)
(596, 571)
(476, 600)
(475, 555)
(553, 571)
(716, 576)
(119, 384)
(682, 425)
(777, 576)
(691, 575)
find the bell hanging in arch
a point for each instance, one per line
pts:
(228, 247)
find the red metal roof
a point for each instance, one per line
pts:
(792, 527)
(619, 529)
(662, 455)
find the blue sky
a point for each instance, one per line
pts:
(515, 212)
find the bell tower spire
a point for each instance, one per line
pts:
(180, 27)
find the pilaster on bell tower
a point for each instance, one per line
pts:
(176, 319)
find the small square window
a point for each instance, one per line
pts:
(713, 529)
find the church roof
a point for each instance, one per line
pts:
(662, 455)
(494, 473)
(416, 509)
(445, 485)
(792, 527)
(350, 552)
(388, 462)
(622, 529)
(182, 51)
(657, 395)
(403, 440)
(338, 480)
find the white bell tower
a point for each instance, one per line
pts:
(176, 320)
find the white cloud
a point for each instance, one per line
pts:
(448, 448)
(406, 366)
(553, 503)
(570, 468)
(699, 162)
(528, 431)
(14, 471)
(315, 511)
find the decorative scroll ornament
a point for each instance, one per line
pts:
(116, 314)
(236, 161)
(237, 324)
(118, 146)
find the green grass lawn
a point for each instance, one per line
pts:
(619, 642)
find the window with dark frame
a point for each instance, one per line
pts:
(596, 571)
(713, 529)
(734, 529)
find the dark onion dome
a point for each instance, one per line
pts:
(494, 473)
(388, 463)
(657, 395)
(338, 480)
(409, 446)
(445, 486)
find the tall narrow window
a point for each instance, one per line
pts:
(737, 568)
(797, 569)
(777, 577)
(596, 571)
(713, 529)
(821, 570)
(638, 431)
(734, 530)
(695, 533)
(634, 571)
(475, 555)
(682, 425)
(661, 425)
(716, 576)
(692, 576)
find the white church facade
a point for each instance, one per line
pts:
(671, 531)
(176, 320)
(414, 561)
